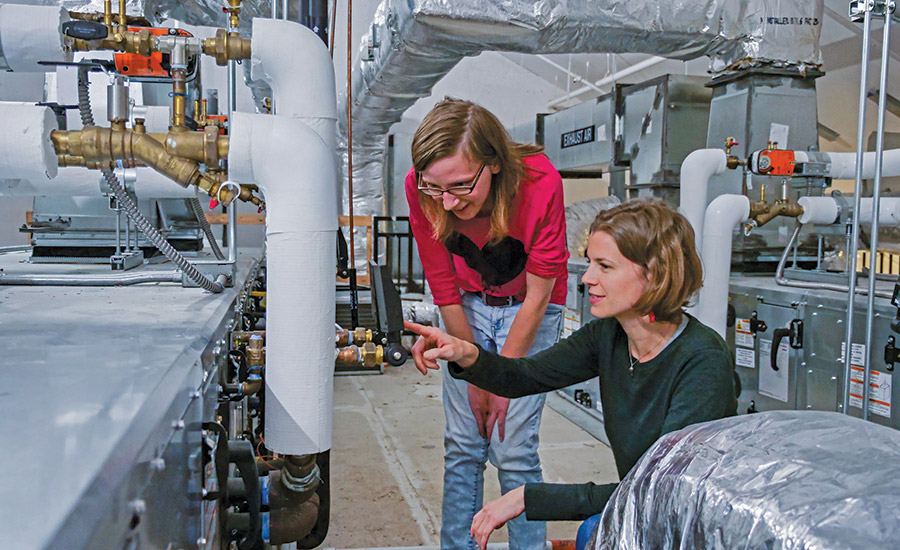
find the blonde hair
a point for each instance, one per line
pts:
(651, 234)
(455, 125)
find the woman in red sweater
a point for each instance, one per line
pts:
(488, 217)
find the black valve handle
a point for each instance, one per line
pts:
(85, 30)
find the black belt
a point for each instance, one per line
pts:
(497, 301)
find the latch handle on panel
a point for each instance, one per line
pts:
(795, 337)
(891, 353)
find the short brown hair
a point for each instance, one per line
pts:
(660, 240)
(457, 125)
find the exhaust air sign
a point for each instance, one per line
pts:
(578, 137)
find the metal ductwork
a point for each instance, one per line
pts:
(415, 43)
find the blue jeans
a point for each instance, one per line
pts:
(466, 452)
(585, 530)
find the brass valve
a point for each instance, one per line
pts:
(731, 161)
(344, 337)
(227, 45)
(176, 157)
(368, 355)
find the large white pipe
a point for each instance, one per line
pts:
(296, 172)
(29, 34)
(826, 210)
(75, 181)
(696, 170)
(291, 157)
(26, 150)
(296, 64)
(723, 215)
(843, 165)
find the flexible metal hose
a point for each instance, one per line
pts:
(142, 223)
(204, 225)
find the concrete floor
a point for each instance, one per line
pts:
(387, 461)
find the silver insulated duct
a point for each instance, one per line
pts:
(414, 43)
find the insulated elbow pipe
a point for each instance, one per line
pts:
(298, 183)
(723, 216)
(696, 170)
(302, 85)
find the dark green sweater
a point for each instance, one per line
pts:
(692, 380)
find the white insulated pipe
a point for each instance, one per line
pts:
(29, 34)
(26, 150)
(723, 215)
(298, 80)
(76, 181)
(826, 210)
(843, 165)
(296, 172)
(292, 158)
(696, 170)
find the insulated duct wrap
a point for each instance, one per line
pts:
(781, 479)
(579, 217)
(193, 12)
(301, 221)
(27, 152)
(415, 43)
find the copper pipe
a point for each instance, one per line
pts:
(122, 24)
(107, 13)
(179, 91)
(331, 30)
(350, 130)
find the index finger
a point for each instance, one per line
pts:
(421, 330)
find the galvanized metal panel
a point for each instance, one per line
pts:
(103, 394)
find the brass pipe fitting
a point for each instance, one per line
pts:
(255, 351)
(762, 213)
(140, 42)
(97, 144)
(368, 355)
(207, 146)
(226, 46)
(122, 24)
(240, 337)
(345, 337)
(107, 13)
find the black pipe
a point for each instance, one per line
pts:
(317, 535)
(240, 452)
(314, 15)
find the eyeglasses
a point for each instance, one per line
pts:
(457, 191)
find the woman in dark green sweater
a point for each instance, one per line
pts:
(660, 369)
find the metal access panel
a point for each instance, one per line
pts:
(580, 138)
(663, 120)
(104, 392)
(576, 314)
(816, 369)
(75, 229)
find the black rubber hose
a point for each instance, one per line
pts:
(124, 199)
(320, 529)
(204, 225)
